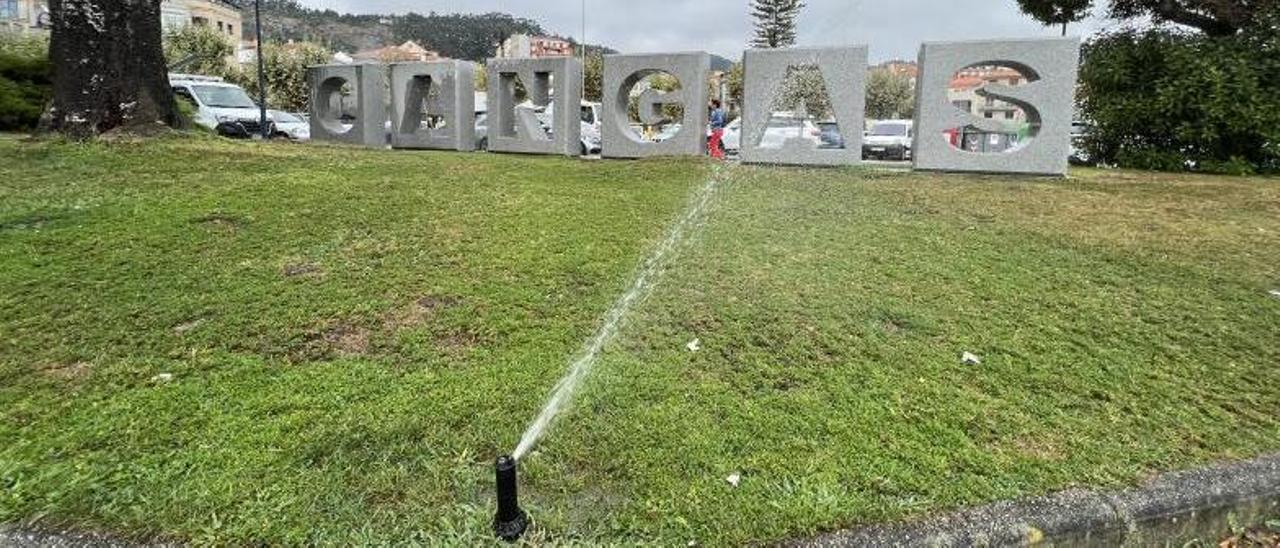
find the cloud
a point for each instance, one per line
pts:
(893, 28)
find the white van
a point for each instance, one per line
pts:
(889, 140)
(219, 105)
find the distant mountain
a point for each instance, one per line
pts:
(284, 20)
(721, 64)
(473, 37)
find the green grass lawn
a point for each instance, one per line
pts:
(354, 335)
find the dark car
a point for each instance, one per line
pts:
(830, 135)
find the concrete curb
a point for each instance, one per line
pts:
(1170, 510)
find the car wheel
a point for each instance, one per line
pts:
(582, 149)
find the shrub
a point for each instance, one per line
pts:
(25, 81)
(286, 67)
(1169, 100)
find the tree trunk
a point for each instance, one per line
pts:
(109, 69)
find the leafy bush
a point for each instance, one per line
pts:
(286, 67)
(210, 54)
(1169, 100)
(25, 81)
(198, 49)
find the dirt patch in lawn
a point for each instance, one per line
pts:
(301, 269)
(68, 371)
(419, 312)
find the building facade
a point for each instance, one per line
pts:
(524, 45)
(23, 16)
(220, 15)
(407, 52)
(963, 92)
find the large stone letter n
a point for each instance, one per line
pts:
(516, 128)
(623, 72)
(1050, 67)
(844, 72)
(336, 117)
(447, 88)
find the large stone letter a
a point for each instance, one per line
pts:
(844, 72)
(1050, 67)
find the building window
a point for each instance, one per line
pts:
(1008, 116)
(220, 29)
(9, 9)
(199, 21)
(990, 115)
(231, 29)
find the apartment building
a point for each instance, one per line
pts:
(524, 45)
(221, 15)
(23, 16)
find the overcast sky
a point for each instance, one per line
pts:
(893, 28)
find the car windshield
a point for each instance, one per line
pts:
(889, 130)
(285, 117)
(223, 97)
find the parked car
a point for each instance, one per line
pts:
(782, 127)
(1080, 156)
(830, 135)
(590, 131)
(732, 140)
(219, 106)
(889, 140)
(291, 126)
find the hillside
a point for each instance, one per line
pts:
(459, 36)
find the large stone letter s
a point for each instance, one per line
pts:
(843, 70)
(514, 128)
(1050, 67)
(454, 103)
(328, 104)
(623, 72)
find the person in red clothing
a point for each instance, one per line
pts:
(715, 144)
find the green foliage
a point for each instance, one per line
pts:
(804, 89)
(736, 82)
(287, 20)
(197, 49)
(593, 77)
(1057, 12)
(286, 65)
(286, 68)
(1211, 17)
(25, 81)
(775, 22)
(473, 37)
(354, 334)
(889, 95)
(1170, 100)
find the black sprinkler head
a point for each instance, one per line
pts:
(510, 521)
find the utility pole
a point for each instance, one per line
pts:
(262, 72)
(584, 47)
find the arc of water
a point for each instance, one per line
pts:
(639, 288)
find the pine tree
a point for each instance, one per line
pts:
(775, 22)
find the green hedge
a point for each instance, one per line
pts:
(1168, 100)
(25, 86)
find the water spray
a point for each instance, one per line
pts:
(510, 521)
